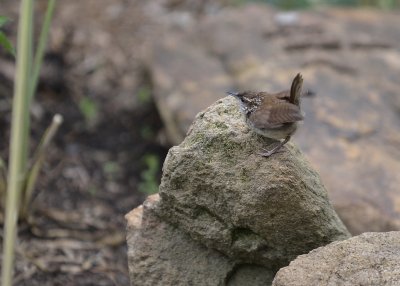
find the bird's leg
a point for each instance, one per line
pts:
(275, 149)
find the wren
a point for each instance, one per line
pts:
(272, 115)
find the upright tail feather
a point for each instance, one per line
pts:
(295, 89)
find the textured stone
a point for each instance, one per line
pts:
(161, 254)
(255, 210)
(226, 215)
(351, 58)
(367, 259)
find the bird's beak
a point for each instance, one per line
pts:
(232, 93)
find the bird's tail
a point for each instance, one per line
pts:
(295, 89)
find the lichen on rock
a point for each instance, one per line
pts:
(219, 190)
(226, 215)
(367, 259)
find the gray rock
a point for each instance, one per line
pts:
(226, 215)
(161, 254)
(352, 60)
(255, 210)
(367, 259)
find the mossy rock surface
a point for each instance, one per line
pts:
(256, 210)
(372, 258)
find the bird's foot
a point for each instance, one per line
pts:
(268, 153)
(276, 149)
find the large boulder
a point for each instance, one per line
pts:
(367, 259)
(351, 58)
(221, 197)
(265, 211)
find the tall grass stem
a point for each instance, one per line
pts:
(37, 162)
(38, 60)
(17, 161)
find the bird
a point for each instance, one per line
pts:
(273, 115)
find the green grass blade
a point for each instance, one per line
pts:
(3, 20)
(37, 63)
(6, 44)
(19, 113)
(3, 182)
(37, 163)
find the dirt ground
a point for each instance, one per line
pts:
(109, 146)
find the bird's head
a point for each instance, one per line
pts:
(246, 99)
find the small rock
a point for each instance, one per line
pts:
(367, 259)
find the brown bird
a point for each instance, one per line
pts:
(273, 115)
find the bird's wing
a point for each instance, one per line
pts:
(273, 117)
(285, 95)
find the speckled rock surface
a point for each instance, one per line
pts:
(226, 215)
(367, 259)
(264, 211)
(161, 254)
(351, 58)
